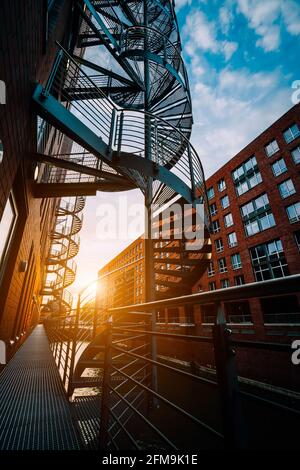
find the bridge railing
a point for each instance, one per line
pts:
(142, 397)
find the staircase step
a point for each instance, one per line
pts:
(90, 364)
(87, 382)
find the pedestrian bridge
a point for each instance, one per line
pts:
(91, 382)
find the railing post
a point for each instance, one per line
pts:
(105, 402)
(73, 347)
(233, 426)
(95, 322)
(68, 340)
(120, 133)
(112, 131)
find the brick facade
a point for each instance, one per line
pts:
(283, 229)
(26, 57)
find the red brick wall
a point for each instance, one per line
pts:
(24, 60)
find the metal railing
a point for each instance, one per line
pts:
(125, 130)
(138, 397)
(131, 405)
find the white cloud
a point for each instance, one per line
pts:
(182, 3)
(291, 15)
(225, 18)
(266, 18)
(201, 34)
(229, 49)
(232, 110)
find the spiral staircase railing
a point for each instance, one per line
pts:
(130, 123)
(60, 265)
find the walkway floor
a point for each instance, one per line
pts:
(34, 411)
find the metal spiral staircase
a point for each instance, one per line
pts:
(60, 265)
(132, 121)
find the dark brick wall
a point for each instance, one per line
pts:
(25, 58)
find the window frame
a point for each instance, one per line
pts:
(258, 216)
(296, 219)
(10, 232)
(213, 193)
(225, 223)
(223, 186)
(265, 261)
(281, 171)
(228, 240)
(292, 153)
(222, 269)
(269, 155)
(288, 193)
(293, 136)
(222, 199)
(219, 249)
(237, 265)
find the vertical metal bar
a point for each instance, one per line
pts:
(105, 402)
(73, 348)
(149, 255)
(67, 355)
(120, 134)
(233, 426)
(191, 171)
(112, 130)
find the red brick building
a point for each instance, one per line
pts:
(255, 209)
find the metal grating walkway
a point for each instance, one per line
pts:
(34, 411)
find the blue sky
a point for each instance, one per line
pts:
(242, 57)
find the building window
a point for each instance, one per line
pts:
(213, 209)
(216, 226)
(208, 313)
(284, 309)
(221, 185)
(293, 212)
(1, 151)
(210, 193)
(7, 226)
(173, 315)
(222, 265)
(269, 261)
(211, 270)
(286, 188)
(236, 261)
(228, 220)
(238, 312)
(279, 167)
(212, 286)
(225, 202)
(297, 238)
(272, 148)
(239, 280)
(296, 155)
(219, 245)
(225, 283)
(257, 215)
(247, 176)
(232, 240)
(292, 133)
